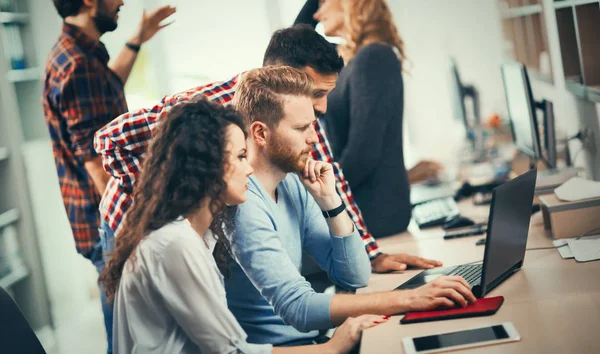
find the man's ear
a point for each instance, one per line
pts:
(90, 6)
(259, 132)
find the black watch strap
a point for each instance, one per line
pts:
(135, 48)
(328, 214)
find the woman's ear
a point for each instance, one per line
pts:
(259, 132)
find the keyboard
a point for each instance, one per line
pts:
(435, 212)
(471, 273)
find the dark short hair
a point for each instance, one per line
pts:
(300, 46)
(67, 8)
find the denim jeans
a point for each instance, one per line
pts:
(100, 259)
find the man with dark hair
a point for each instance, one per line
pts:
(81, 94)
(123, 142)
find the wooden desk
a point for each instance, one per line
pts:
(554, 303)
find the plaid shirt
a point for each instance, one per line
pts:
(123, 142)
(81, 94)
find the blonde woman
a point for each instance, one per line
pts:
(364, 116)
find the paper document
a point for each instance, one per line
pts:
(578, 188)
(585, 249)
(563, 248)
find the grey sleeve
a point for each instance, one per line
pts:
(375, 98)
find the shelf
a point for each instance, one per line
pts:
(563, 4)
(14, 276)
(13, 17)
(29, 74)
(9, 217)
(576, 89)
(522, 11)
(593, 94)
(3, 153)
(588, 27)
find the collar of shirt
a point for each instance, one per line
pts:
(86, 43)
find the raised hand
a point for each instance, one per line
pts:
(150, 24)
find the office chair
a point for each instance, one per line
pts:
(16, 336)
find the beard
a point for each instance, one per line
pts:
(318, 114)
(103, 20)
(284, 158)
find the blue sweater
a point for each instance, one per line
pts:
(265, 291)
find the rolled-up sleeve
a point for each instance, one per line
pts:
(191, 295)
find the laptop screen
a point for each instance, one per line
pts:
(508, 227)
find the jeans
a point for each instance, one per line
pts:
(99, 258)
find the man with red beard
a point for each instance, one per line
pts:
(292, 207)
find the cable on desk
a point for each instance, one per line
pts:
(587, 233)
(545, 248)
(472, 262)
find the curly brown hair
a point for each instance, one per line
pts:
(186, 163)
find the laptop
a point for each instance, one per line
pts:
(508, 227)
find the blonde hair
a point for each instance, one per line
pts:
(366, 22)
(259, 95)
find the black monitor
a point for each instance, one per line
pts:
(523, 117)
(459, 94)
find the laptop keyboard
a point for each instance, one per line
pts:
(471, 273)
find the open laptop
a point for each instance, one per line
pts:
(508, 227)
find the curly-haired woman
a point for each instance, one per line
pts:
(164, 272)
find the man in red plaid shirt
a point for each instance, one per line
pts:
(123, 143)
(82, 92)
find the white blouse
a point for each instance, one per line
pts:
(173, 299)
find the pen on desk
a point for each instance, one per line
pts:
(476, 230)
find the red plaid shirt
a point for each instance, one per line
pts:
(81, 94)
(123, 143)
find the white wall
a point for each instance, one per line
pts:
(470, 30)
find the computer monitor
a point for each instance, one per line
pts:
(521, 109)
(459, 94)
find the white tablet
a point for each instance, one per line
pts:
(467, 338)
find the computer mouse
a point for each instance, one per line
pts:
(454, 222)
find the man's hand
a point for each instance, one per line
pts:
(423, 171)
(150, 24)
(319, 180)
(390, 262)
(445, 291)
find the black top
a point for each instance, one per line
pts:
(364, 126)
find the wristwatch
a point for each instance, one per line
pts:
(135, 48)
(328, 214)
